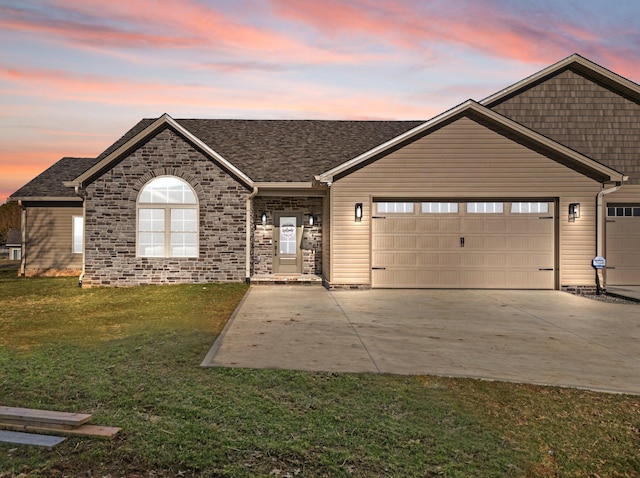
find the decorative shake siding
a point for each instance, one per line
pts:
(49, 241)
(312, 247)
(462, 160)
(583, 115)
(110, 224)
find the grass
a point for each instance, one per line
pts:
(131, 357)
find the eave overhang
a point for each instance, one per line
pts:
(489, 118)
(44, 199)
(165, 121)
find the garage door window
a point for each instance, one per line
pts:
(529, 208)
(440, 207)
(395, 207)
(485, 207)
(623, 211)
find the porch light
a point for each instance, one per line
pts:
(358, 211)
(574, 211)
(263, 218)
(311, 220)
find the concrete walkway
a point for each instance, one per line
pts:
(540, 337)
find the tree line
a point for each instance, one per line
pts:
(9, 219)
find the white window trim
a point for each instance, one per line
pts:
(77, 240)
(168, 207)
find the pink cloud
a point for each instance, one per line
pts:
(495, 29)
(187, 25)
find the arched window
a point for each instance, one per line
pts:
(167, 219)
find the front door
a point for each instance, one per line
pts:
(287, 252)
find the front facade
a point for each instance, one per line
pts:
(504, 193)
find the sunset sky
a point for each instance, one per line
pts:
(77, 74)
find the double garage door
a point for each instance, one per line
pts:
(502, 245)
(623, 245)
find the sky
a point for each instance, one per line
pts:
(75, 75)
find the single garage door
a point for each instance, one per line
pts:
(501, 245)
(623, 245)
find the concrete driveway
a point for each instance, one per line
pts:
(540, 337)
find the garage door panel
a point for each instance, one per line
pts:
(499, 250)
(623, 250)
(449, 259)
(429, 259)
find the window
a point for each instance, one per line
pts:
(440, 207)
(395, 207)
(78, 234)
(623, 211)
(529, 207)
(167, 219)
(485, 207)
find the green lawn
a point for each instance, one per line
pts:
(131, 358)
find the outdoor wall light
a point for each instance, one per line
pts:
(311, 219)
(574, 211)
(263, 218)
(358, 211)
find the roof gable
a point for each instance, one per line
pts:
(580, 65)
(584, 107)
(140, 134)
(490, 119)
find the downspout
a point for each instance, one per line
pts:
(600, 222)
(78, 191)
(23, 233)
(247, 273)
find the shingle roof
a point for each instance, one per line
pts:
(49, 183)
(284, 150)
(14, 237)
(292, 150)
(265, 150)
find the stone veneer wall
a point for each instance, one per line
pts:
(110, 222)
(263, 235)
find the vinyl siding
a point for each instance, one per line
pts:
(463, 160)
(628, 193)
(49, 241)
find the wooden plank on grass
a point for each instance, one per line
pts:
(34, 417)
(88, 430)
(19, 438)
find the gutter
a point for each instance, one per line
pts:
(600, 223)
(78, 190)
(247, 274)
(23, 233)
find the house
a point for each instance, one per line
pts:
(520, 190)
(14, 244)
